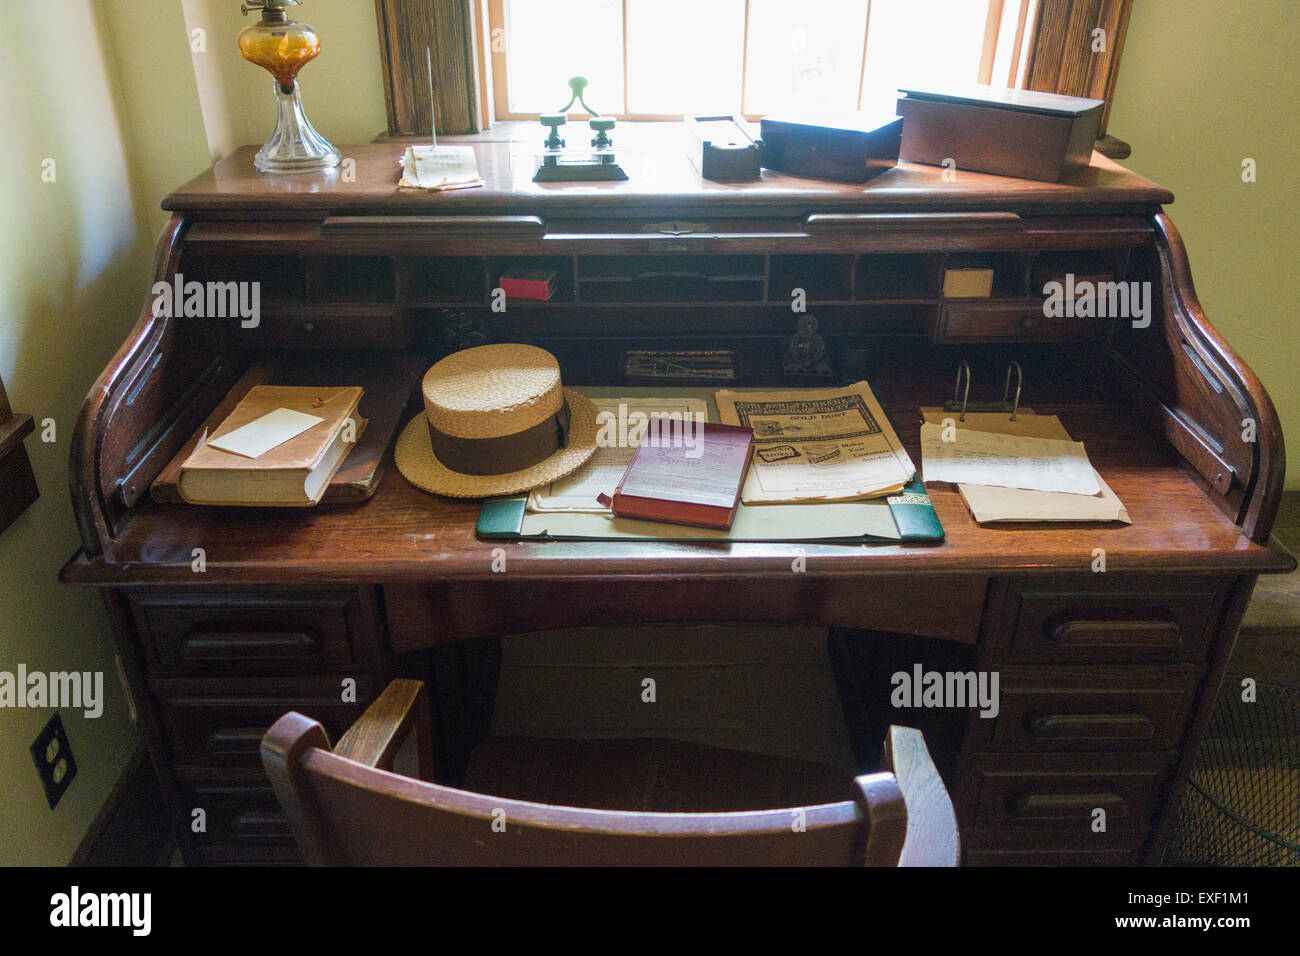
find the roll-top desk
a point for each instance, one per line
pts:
(1107, 677)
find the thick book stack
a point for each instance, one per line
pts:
(685, 473)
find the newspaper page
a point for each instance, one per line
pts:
(830, 444)
(620, 425)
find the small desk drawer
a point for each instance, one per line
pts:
(364, 327)
(994, 321)
(1099, 709)
(206, 726)
(1108, 621)
(251, 632)
(235, 814)
(1056, 796)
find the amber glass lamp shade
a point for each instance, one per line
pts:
(283, 47)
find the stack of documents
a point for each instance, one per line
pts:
(813, 445)
(440, 167)
(1023, 470)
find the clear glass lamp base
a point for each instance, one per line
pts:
(295, 146)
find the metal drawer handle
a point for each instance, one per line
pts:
(1064, 806)
(1094, 633)
(1083, 726)
(260, 823)
(264, 645)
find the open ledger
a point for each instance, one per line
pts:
(811, 445)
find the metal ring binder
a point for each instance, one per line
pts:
(964, 404)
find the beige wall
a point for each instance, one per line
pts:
(1202, 86)
(71, 256)
(133, 110)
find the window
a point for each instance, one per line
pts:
(661, 59)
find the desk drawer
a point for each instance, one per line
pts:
(1100, 709)
(994, 321)
(253, 632)
(208, 727)
(1053, 797)
(1108, 620)
(365, 327)
(990, 848)
(235, 814)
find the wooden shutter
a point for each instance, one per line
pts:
(1062, 58)
(407, 28)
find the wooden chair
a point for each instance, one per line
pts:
(369, 801)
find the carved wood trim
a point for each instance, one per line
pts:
(94, 512)
(1204, 407)
(1267, 454)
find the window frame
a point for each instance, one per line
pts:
(494, 20)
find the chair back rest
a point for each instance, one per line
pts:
(346, 813)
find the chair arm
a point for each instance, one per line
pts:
(394, 732)
(932, 838)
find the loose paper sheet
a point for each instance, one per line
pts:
(620, 424)
(1007, 461)
(831, 444)
(440, 167)
(989, 504)
(262, 434)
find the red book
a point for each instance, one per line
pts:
(685, 473)
(528, 283)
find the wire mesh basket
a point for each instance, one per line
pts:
(1242, 806)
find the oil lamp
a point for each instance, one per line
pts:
(282, 47)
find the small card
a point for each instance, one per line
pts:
(262, 434)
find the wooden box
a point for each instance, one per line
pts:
(1017, 133)
(851, 148)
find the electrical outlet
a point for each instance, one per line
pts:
(52, 755)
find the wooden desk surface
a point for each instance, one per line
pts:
(658, 171)
(404, 534)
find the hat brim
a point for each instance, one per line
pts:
(420, 466)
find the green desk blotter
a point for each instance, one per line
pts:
(907, 516)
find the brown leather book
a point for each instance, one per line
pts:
(293, 472)
(685, 473)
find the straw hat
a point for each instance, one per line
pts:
(494, 424)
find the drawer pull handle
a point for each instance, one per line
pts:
(1086, 726)
(230, 740)
(1064, 806)
(1094, 633)
(260, 823)
(264, 645)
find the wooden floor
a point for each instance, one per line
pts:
(1251, 766)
